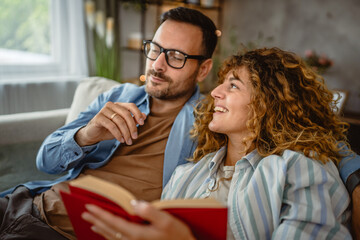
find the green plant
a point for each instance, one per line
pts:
(105, 42)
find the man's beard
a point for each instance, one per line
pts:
(170, 91)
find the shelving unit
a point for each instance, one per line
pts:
(149, 19)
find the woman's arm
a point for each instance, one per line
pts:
(315, 203)
(161, 224)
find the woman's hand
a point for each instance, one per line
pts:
(161, 225)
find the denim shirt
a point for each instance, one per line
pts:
(59, 153)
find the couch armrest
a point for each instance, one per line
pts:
(31, 126)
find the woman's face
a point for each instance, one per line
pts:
(231, 101)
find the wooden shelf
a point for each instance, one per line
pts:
(184, 4)
(352, 118)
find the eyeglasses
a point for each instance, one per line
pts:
(174, 58)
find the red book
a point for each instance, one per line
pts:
(207, 218)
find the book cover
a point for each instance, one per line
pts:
(207, 218)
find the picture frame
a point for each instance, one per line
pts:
(340, 96)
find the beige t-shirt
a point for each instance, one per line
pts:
(137, 167)
(221, 192)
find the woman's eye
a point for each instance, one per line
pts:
(233, 86)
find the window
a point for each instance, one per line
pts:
(42, 38)
(26, 37)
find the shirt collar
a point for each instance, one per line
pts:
(253, 158)
(217, 159)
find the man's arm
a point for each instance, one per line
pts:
(349, 168)
(356, 212)
(67, 146)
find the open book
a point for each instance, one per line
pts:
(207, 218)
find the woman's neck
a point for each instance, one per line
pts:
(235, 151)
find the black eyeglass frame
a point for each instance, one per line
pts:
(165, 51)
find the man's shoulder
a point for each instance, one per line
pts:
(126, 92)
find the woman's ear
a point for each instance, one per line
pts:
(204, 69)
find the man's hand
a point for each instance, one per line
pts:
(356, 212)
(161, 225)
(114, 120)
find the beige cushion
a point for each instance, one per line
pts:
(86, 92)
(30, 126)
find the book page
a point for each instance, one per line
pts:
(112, 191)
(188, 203)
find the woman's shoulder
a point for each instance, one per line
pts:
(310, 169)
(291, 160)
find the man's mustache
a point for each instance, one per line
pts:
(158, 75)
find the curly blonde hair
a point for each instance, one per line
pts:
(290, 108)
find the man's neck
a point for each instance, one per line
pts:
(165, 105)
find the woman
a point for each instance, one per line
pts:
(268, 141)
(268, 145)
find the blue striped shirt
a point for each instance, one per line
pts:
(276, 197)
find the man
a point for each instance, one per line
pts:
(140, 159)
(105, 141)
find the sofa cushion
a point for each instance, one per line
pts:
(86, 92)
(31, 126)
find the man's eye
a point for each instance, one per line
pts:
(176, 56)
(154, 50)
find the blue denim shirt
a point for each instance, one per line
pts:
(60, 153)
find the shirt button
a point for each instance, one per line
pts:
(212, 183)
(76, 153)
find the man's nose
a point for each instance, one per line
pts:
(160, 64)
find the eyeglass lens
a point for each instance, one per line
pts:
(174, 58)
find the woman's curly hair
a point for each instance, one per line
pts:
(290, 108)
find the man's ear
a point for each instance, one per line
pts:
(204, 69)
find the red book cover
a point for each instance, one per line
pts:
(207, 218)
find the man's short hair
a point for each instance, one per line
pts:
(196, 18)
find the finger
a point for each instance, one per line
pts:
(106, 223)
(126, 122)
(155, 216)
(162, 223)
(138, 115)
(110, 126)
(124, 128)
(122, 118)
(98, 226)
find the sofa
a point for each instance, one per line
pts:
(21, 134)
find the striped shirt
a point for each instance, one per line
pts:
(279, 197)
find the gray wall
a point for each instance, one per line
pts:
(330, 27)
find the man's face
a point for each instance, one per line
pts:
(163, 81)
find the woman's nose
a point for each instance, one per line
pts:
(218, 92)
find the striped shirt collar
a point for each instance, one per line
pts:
(251, 159)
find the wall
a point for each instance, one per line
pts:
(130, 24)
(330, 27)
